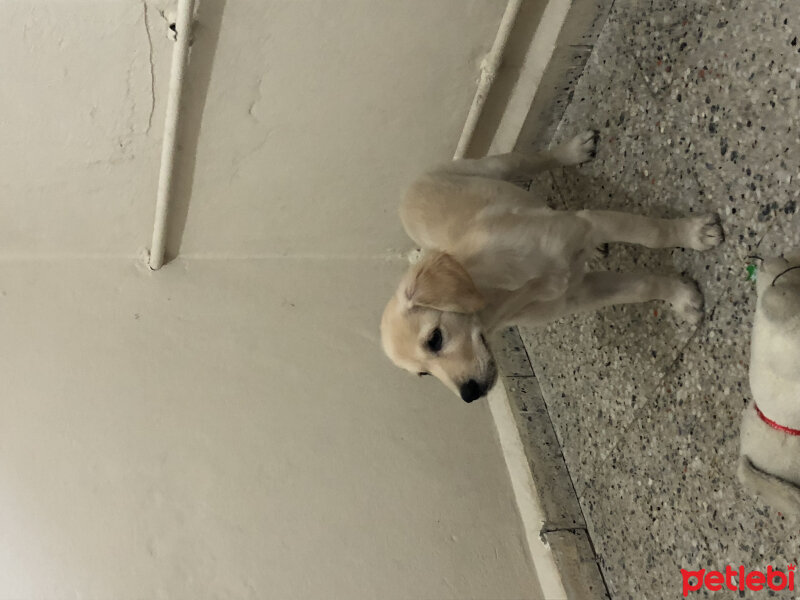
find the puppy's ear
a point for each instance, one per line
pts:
(439, 282)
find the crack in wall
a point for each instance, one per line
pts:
(256, 100)
(125, 140)
(152, 67)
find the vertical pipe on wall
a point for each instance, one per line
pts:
(489, 67)
(180, 54)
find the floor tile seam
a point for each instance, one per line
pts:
(527, 356)
(558, 441)
(545, 530)
(553, 429)
(571, 480)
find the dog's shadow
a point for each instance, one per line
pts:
(576, 189)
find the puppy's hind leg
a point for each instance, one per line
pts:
(605, 288)
(697, 233)
(579, 149)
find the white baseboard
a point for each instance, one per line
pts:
(530, 509)
(534, 64)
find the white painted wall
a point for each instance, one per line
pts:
(323, 111)
(78, 146)
(227, 427)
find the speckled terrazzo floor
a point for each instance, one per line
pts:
(699, 110)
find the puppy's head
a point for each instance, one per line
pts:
(778, 289)
(775, 341)
(431, 326)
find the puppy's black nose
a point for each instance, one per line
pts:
(470, 391)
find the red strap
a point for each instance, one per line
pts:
(773, 424)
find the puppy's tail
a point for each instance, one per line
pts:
(783, 496)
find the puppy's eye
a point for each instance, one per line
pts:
(421, 373)
(434, 342)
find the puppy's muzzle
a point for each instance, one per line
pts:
(472, 389)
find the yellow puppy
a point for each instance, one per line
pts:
(495, 254)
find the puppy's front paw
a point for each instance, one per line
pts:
(687, 302)
(579, 149)
(705, 232)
